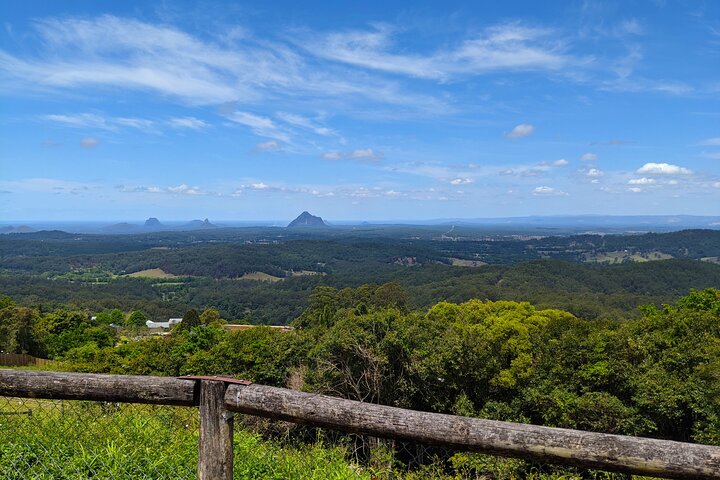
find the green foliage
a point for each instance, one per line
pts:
(190, 320)
(136, 319)
(17, 329)
(210, 316)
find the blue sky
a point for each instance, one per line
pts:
(358, 110)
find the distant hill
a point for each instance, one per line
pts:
(305, 219)
(197, 224)
(18, 229)
(153, 222)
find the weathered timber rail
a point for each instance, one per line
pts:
(217, 397)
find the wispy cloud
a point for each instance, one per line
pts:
(80, 120)
(588, 157)
(188, 122)
(94, 121)
(306, 123)
(110, 51)
(261, 126)
(182, 189)
(510, 46)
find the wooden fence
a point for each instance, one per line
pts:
(218, 397)
(21, 360)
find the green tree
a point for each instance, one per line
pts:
(209, 315)
(190, 320)
(136, 319)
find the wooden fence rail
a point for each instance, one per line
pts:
(218, 397)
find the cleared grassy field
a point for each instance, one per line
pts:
(622, 256)
(153, 273)
(260, 277)
(459, 262)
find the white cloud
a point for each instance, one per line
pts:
(259, 186)
(560, 163)
(89, 142)
(716, 184)
(365, 154)
(186, 190)
(663, 169)
(713, 155)
(594, 172)
(520, 131)
(547, 191)
(187, 122)
(635, 189)
(642, 181)
(461, 181)
(589, 157)
(711, 142)
(269, 146)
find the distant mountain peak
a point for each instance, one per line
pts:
(152, 222)
(200, 224)
(19, 229)
(306, 219)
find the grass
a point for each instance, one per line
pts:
(621, 256)
(153, 273)
(260, 277)
(78, 440)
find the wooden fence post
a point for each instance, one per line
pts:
(215, 460)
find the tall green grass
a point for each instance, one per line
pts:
(80, 440)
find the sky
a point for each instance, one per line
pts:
(358, 110)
